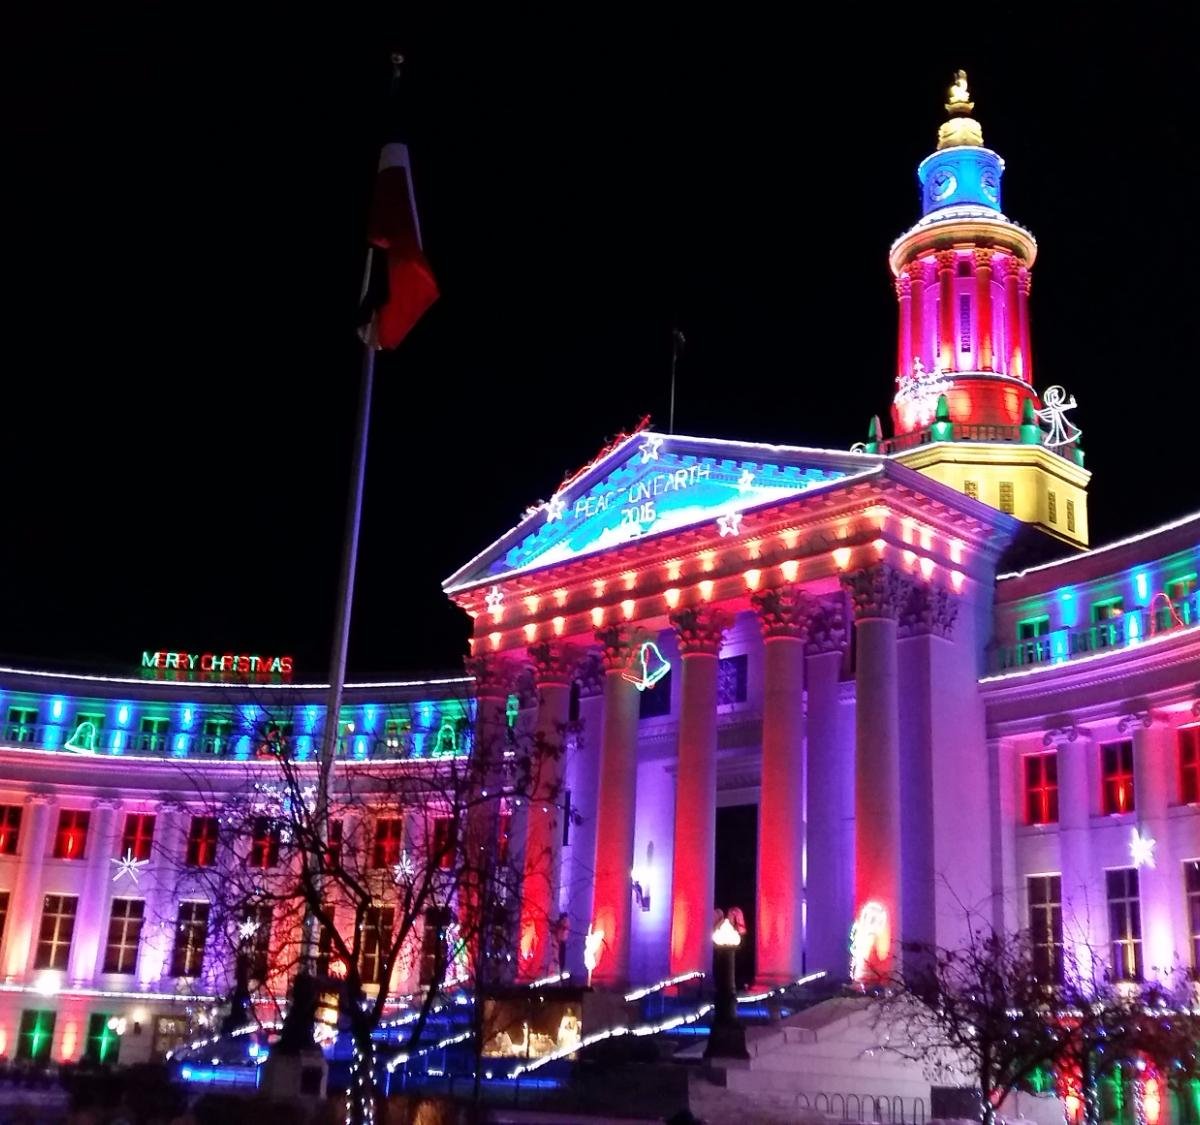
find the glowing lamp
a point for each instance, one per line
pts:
(559, 624)
(725, 936)
(880, 545)
(673, 571)
(530, 631)
(706, 589)
(752, 578)
(841, 557)
(627, 608)
(597, 616)
(598, 586)
(956, 550)
(790, 569)
(56, 709)
(48, 983)
(708, 559)
(910, 557)
(560, 597)
(926, 566)
(593, 950)
(532, 602)
(123, 714)
(495, 639)
(671, 596)
(956, 580)
(630, 578)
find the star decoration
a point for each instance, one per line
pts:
(555, 509)
(405, 870)
(730, 524)
(127, 865)
(1141, 849)
(247, 929)
(649, 448)
(745, 481)
(494, 598)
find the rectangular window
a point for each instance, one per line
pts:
(1189, 764)
(35, 1036)
(71, 837)
(152, 735)
(376, 942)
(655, 701)
(103, 1042)
(389, 841)
(433, 945)
(1191, 882)
(397, 735)
(22, 725)
(10, 829)
(1124, 923)
(971, 489)
(191, 935)
(1033, 627)
(443, 845)
(1041, 788)
(138, 835)
(202, 842)
(1107, 610)
(1045, 926)
(3, 912)
(58, 927)
(216, 735)
(1052, 506)
(1116, 770)
(1006, 497)
(1070, 515)
(731, 680)
(264, 846)
(333, 843)
(258, 940)
(124, 934)
(964, 323)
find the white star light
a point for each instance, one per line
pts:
(1141, 849)
(730, 524)
(555, 509)
(247, 929)
(494, 598)
(405, 870)
(745, 481)
(127, 865)
(649, 448)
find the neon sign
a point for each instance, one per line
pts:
(217, 664)
(646, 666)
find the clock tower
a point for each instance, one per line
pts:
(965, 410)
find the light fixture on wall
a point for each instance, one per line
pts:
(641, 890)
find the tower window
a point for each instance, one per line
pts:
(1052, 506)
(1070, 515)
(1116, 767)
(964, 323)
(971, 489)
(1006, 496)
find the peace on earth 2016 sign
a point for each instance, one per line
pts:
(189, 665)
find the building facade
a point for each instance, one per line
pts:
(898, 665)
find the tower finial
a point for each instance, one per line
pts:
(962, 128)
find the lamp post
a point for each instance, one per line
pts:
(727, 1039)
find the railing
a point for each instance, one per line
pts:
(966, 431)
(1124, 631)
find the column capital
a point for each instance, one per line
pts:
(41, 800)
(903, 286)
(589, 675)
(784, 612)
(614, 642)
(699, 630)
(928, 610)
(947, 261)
(827, 628)
(109, 804)
(1024, 281)
(983, 258)
(879, 591)
(1009, 265)
(553, 663)
(492, 676)
(1135, 720)
(1058, 736)
(917, 271)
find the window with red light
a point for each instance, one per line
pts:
(503, 831)
(389, 842)
(3, 912)
(71, 837)
(202, 842)
(443, 845)
(333, 844)
(1116, 765)
(138, 835)
(1189, 765)
(264, 846)
(1041, 788)
(10, 829)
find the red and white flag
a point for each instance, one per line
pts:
(399, 285)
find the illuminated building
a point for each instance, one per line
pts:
(842, 641)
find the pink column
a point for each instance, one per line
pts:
(917, 342)
(553, 666)
(983, 309)
(693, 866)
(878, 593)
(1010, 267)
(783, 615)
(904, 352)
(615, 811)
(947, 264)
(91, 913)
(25, 905)
(1151, 784)
(1024, 284)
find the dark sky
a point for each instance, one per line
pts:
(183, 239)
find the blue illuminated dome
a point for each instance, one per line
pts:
(966, 174)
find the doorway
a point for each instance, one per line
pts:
(736, 882)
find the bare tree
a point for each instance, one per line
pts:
(410, 876)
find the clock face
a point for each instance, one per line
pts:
(989, 187)
(942, 184)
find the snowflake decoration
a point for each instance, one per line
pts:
(127, 865)
(917, 394)
(247, 929)
(555, 509)
(494, 598)
(649, 448)
(730, 524)
(404, 871)
(1141, 849)
(745, 481)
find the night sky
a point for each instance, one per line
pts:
(183, 246)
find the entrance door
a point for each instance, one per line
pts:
(736, 882)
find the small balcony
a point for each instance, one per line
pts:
(1128, 630)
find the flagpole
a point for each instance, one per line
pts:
(676, 339)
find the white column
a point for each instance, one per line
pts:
(1158, 881)
(1083, 909)
(91, 916)
(25, 904)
